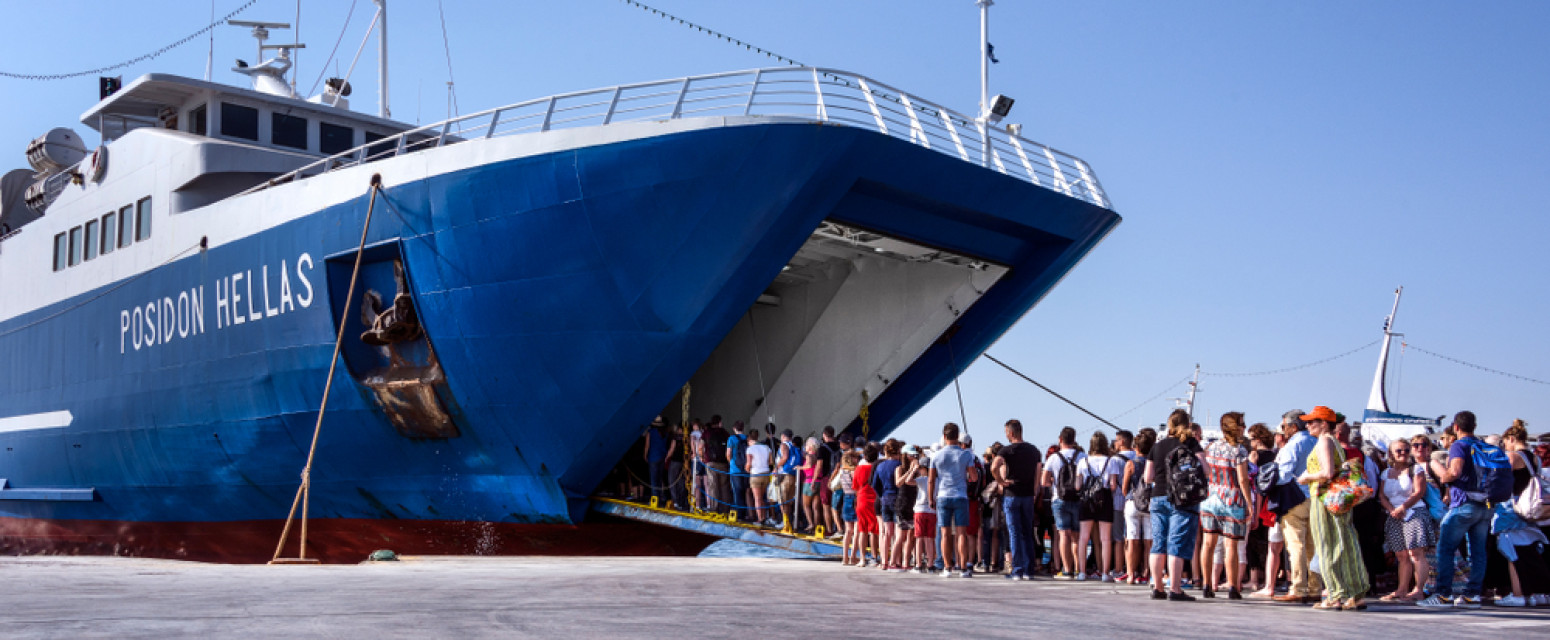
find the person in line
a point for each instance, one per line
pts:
(1468, 517)
(720, 470)
(1291, 463)
(1124, 453)
(844, 485)
(788, 459)
(1265, 541)
(656, 454)
(812, 510)
(1095, 515)
(1408, 532)
(995, 548)
(866, 502)
(1368, 517)
(904, 546)
(1065, 498)
(973, 531)
(1016, 470)
(843, 444)
(829, 457)
(1173, 526)
(952, 469)
(1527, 541)
(1340, 558)
(737, 460)
(886, 475)
(919, 475)
(1138, 516)
(757, 462)
(675, 468)
(1226, 511)
(699, 494)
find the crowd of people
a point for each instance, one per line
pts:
(1303, 513)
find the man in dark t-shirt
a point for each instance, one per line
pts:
(1016, 469)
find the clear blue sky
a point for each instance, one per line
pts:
(1281, 167)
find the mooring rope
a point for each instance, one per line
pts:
(304, 492)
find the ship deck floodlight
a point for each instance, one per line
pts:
(999, 107)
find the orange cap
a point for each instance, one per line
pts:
(1321, 413)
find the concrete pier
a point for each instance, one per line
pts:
(645, 598)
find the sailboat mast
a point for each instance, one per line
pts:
(1378, 399)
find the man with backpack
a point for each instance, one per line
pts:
(1477, 474)
(1176, 471)
(718, 481)
(737, 455)
(1062, 475)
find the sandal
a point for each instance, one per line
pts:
(1393, 597)
(1354, 604)
(1328, 605)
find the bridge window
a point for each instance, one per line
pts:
(143, 219)
(109, 232)
(333, 138)
(90, 240)
(126, 226)
(75, 246)
(61, 252)
(199, 120)
(288, 131)
(238, 121)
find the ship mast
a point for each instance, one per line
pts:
(1378, 399)
(382, 60)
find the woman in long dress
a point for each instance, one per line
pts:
(1334, 540)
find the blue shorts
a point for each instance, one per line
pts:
(837, 501)
(1065, 514)
(952, 512)
(1173, 529)
(848, 510)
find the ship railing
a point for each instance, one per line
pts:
(818, 94)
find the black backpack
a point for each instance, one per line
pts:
(1140, 491)
(1097, 497)
(716, 445)
(1186, 478)
(1068, 484)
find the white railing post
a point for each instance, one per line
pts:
(613, 103)
(917, 132)
(548, 115)
(753, 92)
(882, 126)
(441, 140)
(678, 104)
(823, 111)
(495, 119)
(1027, 166)
(1089, 182)
(947, 121)
(1061, 184)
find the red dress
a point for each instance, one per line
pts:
(866, 500)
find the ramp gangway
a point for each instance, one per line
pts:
(719, 526)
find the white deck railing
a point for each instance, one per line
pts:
(824, 95)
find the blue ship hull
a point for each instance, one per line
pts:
(565, 298)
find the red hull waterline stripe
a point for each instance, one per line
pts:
(337, 540)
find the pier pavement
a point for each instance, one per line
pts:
(465, 597)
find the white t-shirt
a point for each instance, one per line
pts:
(761, 458)
(1058, 460)
(922, 500)
(1397, 490)
(1118, 469)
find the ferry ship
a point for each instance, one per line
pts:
(535, 283)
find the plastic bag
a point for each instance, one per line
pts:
(1348, 489)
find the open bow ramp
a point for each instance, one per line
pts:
(713, 525)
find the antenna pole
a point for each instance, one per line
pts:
(382, 60)
(1194, 384)
(984, 6)
(210, 58)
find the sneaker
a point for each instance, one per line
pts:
(1466, 602)
(1011, 576)
(1025, 578)
(1539, 600)
(1435, 601)
(1062, 576)
(966, 573)
(1511, 601)
(1158, 595)
(1080, 577)
(948, 573)
(917, 570)
(980, 567)
(1108, 578)
(1180, 597)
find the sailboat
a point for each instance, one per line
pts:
(1381, 425)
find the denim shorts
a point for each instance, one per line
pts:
(848, 508)
(952, 512)
(837, 500)
(1173, 529)
(888, 510)
(1065, 514)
